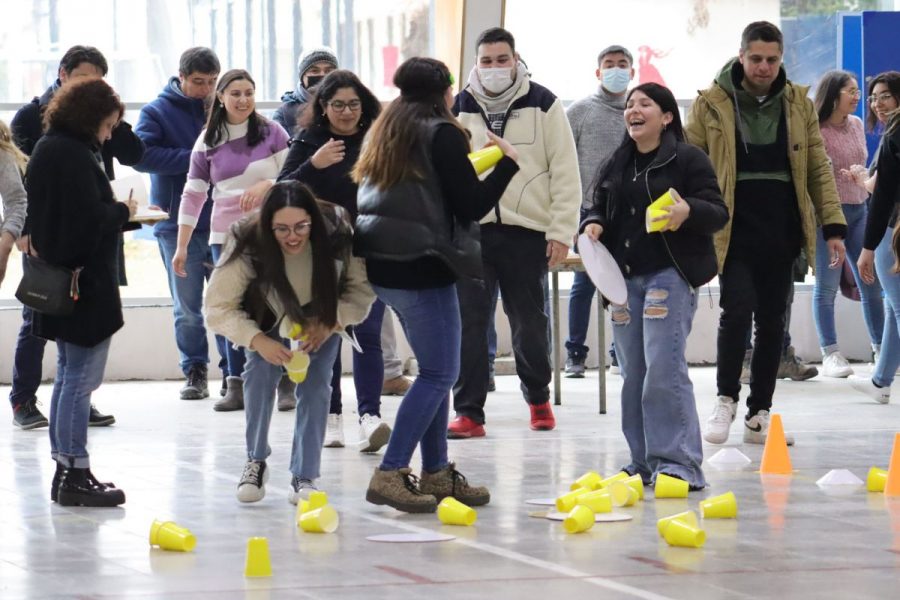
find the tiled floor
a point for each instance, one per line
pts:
(179, 460)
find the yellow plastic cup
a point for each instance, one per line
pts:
(670, 487)
(656, 210)
(876, 479)
(258, 563)
(723, 506)
(485, 158)
(298, 366)
(622, 494)
(620, 476)
(453, 512)
(169, 536)
(689, 517)
(317, 499)
(637, 484)
(590, 480)
(599, 501)
(320, 520)
(567, 501)
(579, 519)
(682, 533)
(302, 507)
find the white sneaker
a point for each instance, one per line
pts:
(252, 487)
(757, 428)
(300, 489)
(334, 432)
(373, 433)
(881, 395)
(719, 422)
(835, 365)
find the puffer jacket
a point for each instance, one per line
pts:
(711, 126)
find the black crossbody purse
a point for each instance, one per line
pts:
(48, 289)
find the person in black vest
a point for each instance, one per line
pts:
(419, 202)
(75, 221)
(77, 64)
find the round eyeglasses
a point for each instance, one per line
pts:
(283, 231)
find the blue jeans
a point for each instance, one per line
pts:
(260, 381)
(234, 355)
(659, 413)
(828, 282)
(889, 358)
(580, 298)
(79, 371)
(430, 319)
(187, 297)
(27, 368)
(368, 366)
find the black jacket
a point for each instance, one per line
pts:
(677, 165)
(886, 196)
(76, 222)
(331, 183)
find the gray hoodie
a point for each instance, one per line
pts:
(598, 124)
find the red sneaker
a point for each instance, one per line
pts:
(464, 427)
(542, 417)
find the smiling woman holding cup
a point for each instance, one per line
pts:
(664, 257)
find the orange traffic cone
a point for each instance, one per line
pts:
(775, 458)
(892, 485)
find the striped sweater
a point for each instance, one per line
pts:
(229, 168)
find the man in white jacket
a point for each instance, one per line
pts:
(529, 230)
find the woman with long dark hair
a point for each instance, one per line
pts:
(74, 221)
(237, 157)
(877, 256)
(290, 263)
(837, 97)
(322, 154)
(419, 204)
(662, 272)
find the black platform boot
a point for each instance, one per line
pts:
(54, 484)
(78, 487)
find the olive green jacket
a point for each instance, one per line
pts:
(711, 126)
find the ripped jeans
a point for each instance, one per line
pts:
(659, 413)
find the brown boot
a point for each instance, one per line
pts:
(234, 396)
(396, 386)
(399, 489)
(286, 399)
(450, 482)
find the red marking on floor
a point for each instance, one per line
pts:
(404, 574)
(660, 564)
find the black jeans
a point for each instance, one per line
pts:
(752, 287)
(515, 259)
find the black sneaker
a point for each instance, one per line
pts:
(195, 385)
(252, 486)
(98, 419)
(575, 367)
(27, 416)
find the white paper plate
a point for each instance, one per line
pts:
(601, 267)
(611, 517)
(411, 538)
(541, 501)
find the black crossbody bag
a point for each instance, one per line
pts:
(48, 289)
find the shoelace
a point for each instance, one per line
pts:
(194, 377)
(458, 478)
(412, 484)
(722, 414)
(251, 473)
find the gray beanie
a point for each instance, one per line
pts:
(615, 49)
(311, 57)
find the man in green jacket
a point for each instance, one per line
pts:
(762, 134)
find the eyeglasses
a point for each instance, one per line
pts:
(852, 93)
(882, 97)
(283, 231)
(340, 105)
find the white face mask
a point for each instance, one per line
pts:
(615, 79)
(496, 81)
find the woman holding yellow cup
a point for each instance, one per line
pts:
(662, 273)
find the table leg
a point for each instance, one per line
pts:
(601, 348)
(554, 308)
